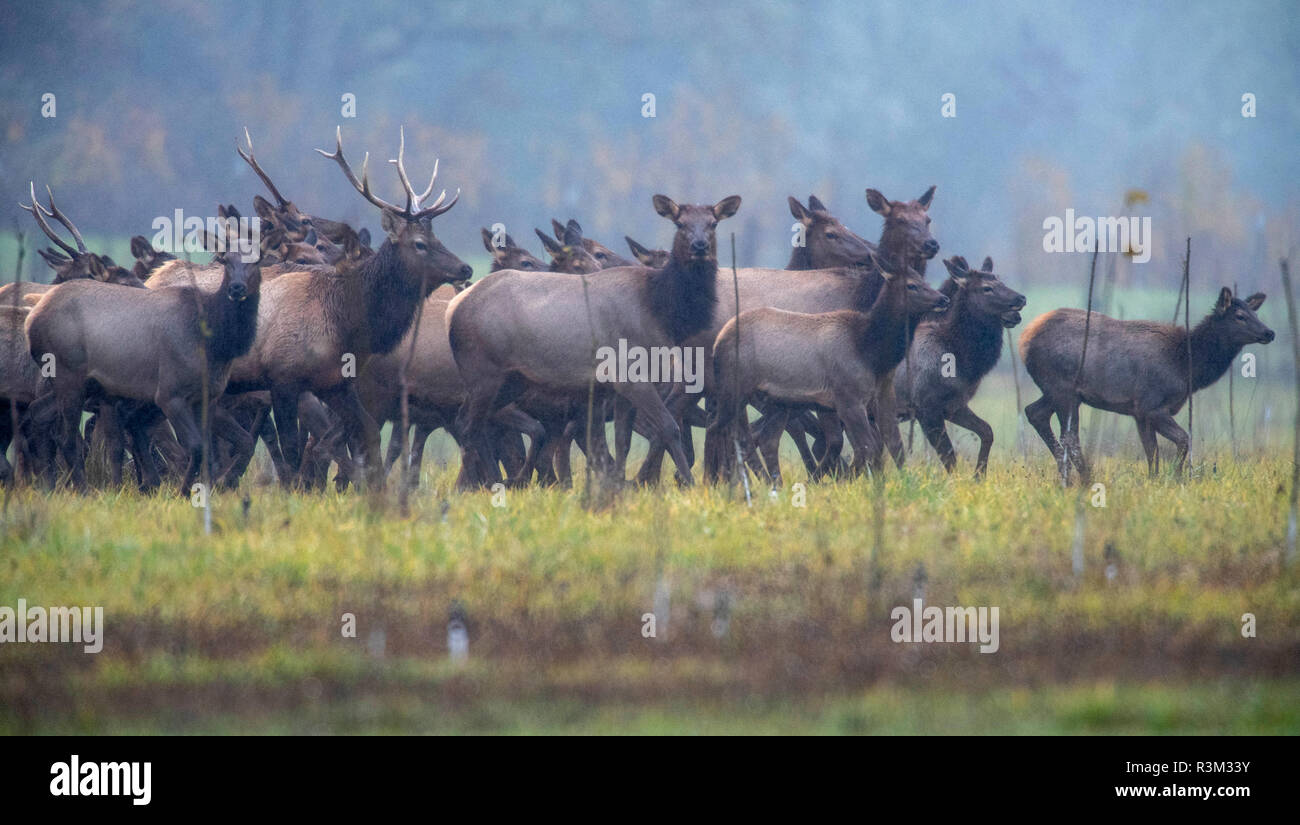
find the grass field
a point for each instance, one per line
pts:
(769, 619)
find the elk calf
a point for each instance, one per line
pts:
(1137, 368)
(952, 354)
(833, 360)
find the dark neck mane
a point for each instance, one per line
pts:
(233, 324)
(374, 304)
(682, 297)
(1211, 355)
(886, 329)
(977, 339)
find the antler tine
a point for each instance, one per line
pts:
(438, 208)
(251, 160)
(432, 181)
(36, 209)
(63, 219)
(363, 185)
(412, 202)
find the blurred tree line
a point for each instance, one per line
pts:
(535, 109)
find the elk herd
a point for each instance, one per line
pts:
(306, 348)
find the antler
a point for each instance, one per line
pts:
(251, 160)
(413, 210)
(37, 210)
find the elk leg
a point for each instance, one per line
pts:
(1039, 415)
(1070, 437)
(853, 415)
(181, 416)
(624, 422)
(774, 422)
(965, 417)
(284, 405)
(516, 421)
(660, 423)
(937, 434)
(885, 411)
(795, 425)
(1147, 434)
(228, 429)
(1170, 429)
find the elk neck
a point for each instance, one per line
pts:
(376, 303)
(1211, 354)
(683, 295)
(886, 328)
(233, 324)
(977, 339)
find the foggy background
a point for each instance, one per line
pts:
(535, 109)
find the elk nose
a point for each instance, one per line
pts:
(237, 292)
(1019, 303)
(1269, 336)
(942, 303)
(930, 248)
(699, 247)
(466, 272)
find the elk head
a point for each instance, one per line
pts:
(695, 241)
(569, 254)
(907, 227)
(79, 261)
(605, 257)
(511, 255)
(921, 298)
(983, 293)
(1234, 321)
(240, 279)
(409, 229)
(829, 242)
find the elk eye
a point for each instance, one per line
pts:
(988, 290)
(421, 246)
(1241, 316)
(911, 287)
(830, 236)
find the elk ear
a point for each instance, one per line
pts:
(925, 199)
(726, 207)
(987, 266)
(363, 237)
(140, 247)
(638, 251)
(665, 207)
(351, 243)
(551, 246)
(487, 243)
(797, 209)
(1255, 301)
(558, 229)
(32, 298)
(572, 234)
(885, 265)
(878, 202)
(263, 209)
(815, 204)
(54, 259)
(1225, 301)
(957, 268)
(310, 240)
(98, 271)
(392, 223)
